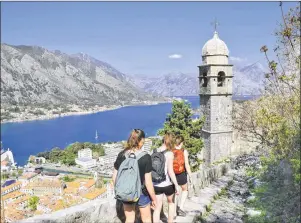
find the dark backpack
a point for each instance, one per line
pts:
(158, 164)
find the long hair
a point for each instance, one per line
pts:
(169, 142)
(135, 137)
(179, 140)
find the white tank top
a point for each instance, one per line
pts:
(167, 181)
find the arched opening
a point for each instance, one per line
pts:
(221, 79)
(205, 80)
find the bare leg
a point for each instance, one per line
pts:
(129, 211)
(145, 213)
(156, 216)
(171, 208)
(184, 195)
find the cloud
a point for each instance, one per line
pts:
(238, 59)
(175, 56)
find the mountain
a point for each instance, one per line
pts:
(35, 75)
(172, 84)
(248, 80)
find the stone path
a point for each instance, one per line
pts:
(229, 207)
(196, 205)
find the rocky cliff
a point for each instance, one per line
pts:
(34, 75)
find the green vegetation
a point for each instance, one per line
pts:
(68, 178)
(180, 122)
(33, 202)
(20, 172)
(4, 176)
(274, 122)
(67, 156)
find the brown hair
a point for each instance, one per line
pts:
(169, 142)
(179, 140)
(135, 137)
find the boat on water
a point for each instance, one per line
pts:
(96, 135)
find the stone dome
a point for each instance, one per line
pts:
(215, 46)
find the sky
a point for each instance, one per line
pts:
(143, 38)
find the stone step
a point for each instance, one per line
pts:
(196, 205)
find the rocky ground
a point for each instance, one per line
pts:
(230, 204)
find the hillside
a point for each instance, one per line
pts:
(37, 83)
(34, 75)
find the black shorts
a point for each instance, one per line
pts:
(182, 178)
(169, 190)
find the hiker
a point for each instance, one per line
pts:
(164, 178)
(132, 179)
(182, 170)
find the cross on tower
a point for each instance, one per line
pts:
(215, 23)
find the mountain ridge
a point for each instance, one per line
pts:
(34, 75)
(247, 80)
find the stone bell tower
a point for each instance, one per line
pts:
(215, 77)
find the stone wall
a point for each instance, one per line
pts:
(90, 212)
(104, 210)
(206, 176)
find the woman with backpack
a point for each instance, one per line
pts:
(181, 168)
(164, 178)
(132, 178)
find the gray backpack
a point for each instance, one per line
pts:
(128, 186)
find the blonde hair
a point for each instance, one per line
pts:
(169, 142)
(134, 139)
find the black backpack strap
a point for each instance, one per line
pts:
(165, 151)
(155, 150)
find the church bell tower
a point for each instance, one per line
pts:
(215, 78)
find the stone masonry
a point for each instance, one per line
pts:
(215, 75)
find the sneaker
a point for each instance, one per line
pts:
(163, 217)
(181, 212)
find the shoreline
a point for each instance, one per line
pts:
(83, 112)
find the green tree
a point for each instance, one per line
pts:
(180, 122)
(55, 155)
(33, 202)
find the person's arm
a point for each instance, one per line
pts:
(149, 186)
(116, 167)
(148, 182)
(187, 166)
(171, 172)
(114, 176)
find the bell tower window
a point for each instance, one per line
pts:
(221, 79)
(205, 80)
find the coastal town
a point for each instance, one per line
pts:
(27, 113)
(42, 187)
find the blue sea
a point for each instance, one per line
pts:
(31, 137)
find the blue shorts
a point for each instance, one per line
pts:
(143, 201)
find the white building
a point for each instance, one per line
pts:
(147, 145)
(113, 148)
(7, 160)
(86, 162)
(85, 158)
(108, 160)
(85, 153)
(40, 160)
